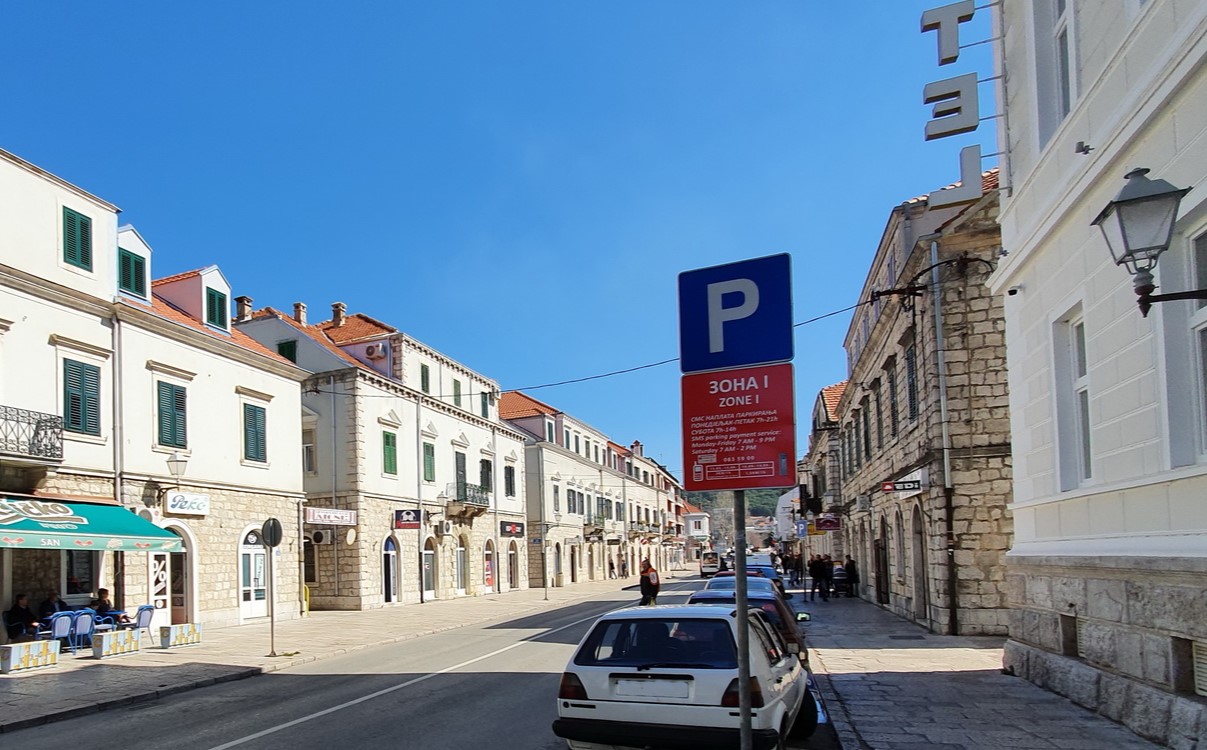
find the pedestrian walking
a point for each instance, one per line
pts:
(852, 577)
(624, 566)
(818, 576)
(827, 583)
(649, 584)
(611, 568)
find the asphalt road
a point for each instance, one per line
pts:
(484, 686)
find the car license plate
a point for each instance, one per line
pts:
(653, 688)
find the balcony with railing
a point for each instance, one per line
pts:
(32, 435)
(464, 499)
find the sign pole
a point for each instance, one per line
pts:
(739, 571)
(272, 609)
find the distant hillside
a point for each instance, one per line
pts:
(758, 502)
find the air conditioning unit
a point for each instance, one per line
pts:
(376, 351)
(322, 536)
(443, 528)
(149, 514)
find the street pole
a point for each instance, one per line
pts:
(739, 571)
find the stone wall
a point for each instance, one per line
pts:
(1114, 635)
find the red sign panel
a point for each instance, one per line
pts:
(407, 519)
(739, 429)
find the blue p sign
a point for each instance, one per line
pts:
(736, 315)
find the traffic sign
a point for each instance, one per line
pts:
(739, 429)
(802, 528)
(735, 315)
(271, 533)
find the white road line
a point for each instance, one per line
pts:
(408, 683)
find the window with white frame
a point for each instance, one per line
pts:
(1055, 63)
(1073, 401)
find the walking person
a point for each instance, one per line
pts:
(624, 566)
(827, 584)
(817, 576)
(852, 577)
(611, 568)
(649, 584)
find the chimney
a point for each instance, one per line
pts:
(338, 314)
(242, 309)
(637, 448)
(299, 312)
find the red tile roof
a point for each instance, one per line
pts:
(689, 508)
(620, 449)
(314, 333)
(830, 396)
(989, 183)
(516, 405)
(167, 311)
(177, 277)
(356, 326)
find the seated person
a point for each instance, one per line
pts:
(21, 620)
(52, 605)
(103, 606)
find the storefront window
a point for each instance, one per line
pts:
(80, 568)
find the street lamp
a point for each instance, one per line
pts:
(1138, 226)
(176, 466)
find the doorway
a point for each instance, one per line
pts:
(253, 577)
(573, 564)
(513, 567)
(488, 566)
(461, 568)
(921, 582)
(389, 570)
(429, 570)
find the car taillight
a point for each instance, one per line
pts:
(571, 687)
(731, 699)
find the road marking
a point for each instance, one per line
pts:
(408, 683)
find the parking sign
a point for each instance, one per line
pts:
(735, 315)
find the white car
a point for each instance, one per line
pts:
(666, 677)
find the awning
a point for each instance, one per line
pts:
(53, 524)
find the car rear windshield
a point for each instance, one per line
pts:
(768, 607)
(766, 570)
(729, 584)
(673, 642)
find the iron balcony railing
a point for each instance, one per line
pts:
(31, 433)
(471, 494)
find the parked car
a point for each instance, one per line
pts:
(666, 677)
(710, 564)
(729, 583)
(781, 616)
(768, 571)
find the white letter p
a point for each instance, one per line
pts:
(718, 314)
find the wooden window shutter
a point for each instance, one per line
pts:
(429, 462)
(425, 379)
(73, 396)
(77, 239)
(1199, 652)
(389, 447)
(254, 443)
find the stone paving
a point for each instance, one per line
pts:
(81, 684)
(890, 685)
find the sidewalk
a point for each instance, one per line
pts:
(81, 684)
(890, 685)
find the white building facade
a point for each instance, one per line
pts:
(414, 486)
(106, 375)
(1108, 569)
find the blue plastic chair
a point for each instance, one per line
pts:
(58, 627)
(142, 620)
(82, 628)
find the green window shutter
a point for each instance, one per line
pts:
(288, 349)
(456, 393)
(389, 448)
(425, 379)
(131, 272)
(429, 462)
(81, 397)
(254, 443)
(77, 239)
(215, 308)
(486, 472)
(172, 414)
(485, 405)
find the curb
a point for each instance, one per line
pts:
(242, 673)
(848, 736)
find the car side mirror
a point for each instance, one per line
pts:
(793, 648)
(803, 617)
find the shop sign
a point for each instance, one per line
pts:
(511, 528)
(828, 522)
(407, 519)
(330, 516)
(613, 542)
(956, 108)
(907, 486)
(186, 504)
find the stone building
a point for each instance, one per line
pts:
(925, 407)
(591, 502)
(414, 485)
(821, 471)
(125, 394)
(1108, 570)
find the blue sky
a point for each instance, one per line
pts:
(517, 184)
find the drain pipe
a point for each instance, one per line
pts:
(953, 622)
(119, 458)
(419, 487)
(334, 482)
